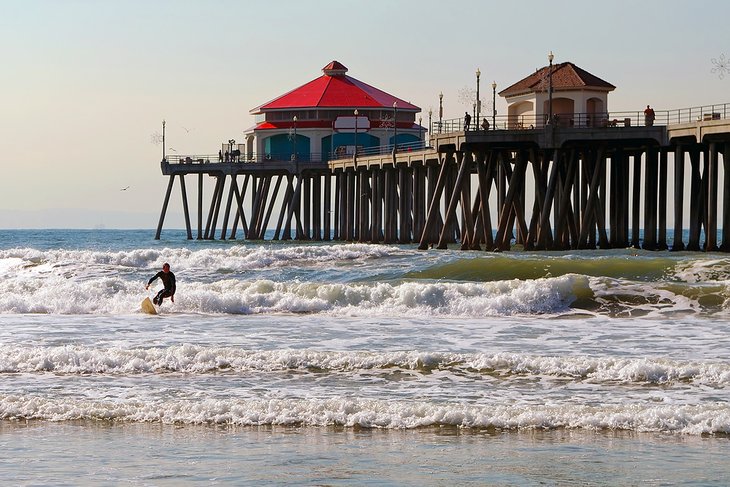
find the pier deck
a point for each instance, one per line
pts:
(552, 187)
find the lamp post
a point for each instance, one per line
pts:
(479, 103)
(294, 156)
(441, 109)
(494, 105)
(230, 149)
(550, 88)
(354, 155)
(420, 130)
(430, 127)
(164, 158)
(395, 127)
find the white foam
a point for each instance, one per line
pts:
(236, 258)
(386, 414)
(199, 359)
(58, 290)
(99, 282)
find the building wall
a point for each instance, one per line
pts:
(319, 144)
(576, 107)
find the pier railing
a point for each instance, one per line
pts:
(586, 120)
(244, 158)
(256, 158)
(607, 120)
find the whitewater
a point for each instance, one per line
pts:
(291, 362)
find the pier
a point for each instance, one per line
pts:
(554, 187)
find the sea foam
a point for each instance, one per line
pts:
(193, 359)
(381, 414)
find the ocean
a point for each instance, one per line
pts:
(288, 363)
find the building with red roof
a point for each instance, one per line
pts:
(328, 117)
(579, 98)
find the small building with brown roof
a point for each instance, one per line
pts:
(580, 98)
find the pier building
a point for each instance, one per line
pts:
(579, 99)
(584, 179)
(334, 115)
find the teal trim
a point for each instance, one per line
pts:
(332, 142)
(404, 139)
(281, 147)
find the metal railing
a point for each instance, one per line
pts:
(256, 158)
(388, 148)
(245, 158)
(502, 122)
(587, 120)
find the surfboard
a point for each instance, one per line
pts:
(148, 307)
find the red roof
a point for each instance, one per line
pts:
(315, 124)
(334, 89)
(566, 76)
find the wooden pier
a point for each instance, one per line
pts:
(549, 188)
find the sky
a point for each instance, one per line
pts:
(85, 84)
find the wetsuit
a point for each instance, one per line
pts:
(168, 279)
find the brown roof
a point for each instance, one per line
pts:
(566, 76)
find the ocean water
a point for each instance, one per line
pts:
(285, 363)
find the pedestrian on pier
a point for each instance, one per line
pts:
(220, 155)
(467, 121)
(649, 116)
(485, 124)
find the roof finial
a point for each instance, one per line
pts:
(335, 68)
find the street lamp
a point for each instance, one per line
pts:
(420, 130)
(494, 105)
(163, 142)
(355, 112)
(479, 103)
(430, 115)
(294, 156)
(441, 109)
(550, 88)
(395, 126)
(230, 149)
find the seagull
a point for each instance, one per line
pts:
(170, 148)
(186, 129)
(124, 189)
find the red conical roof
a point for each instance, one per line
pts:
(334, 89)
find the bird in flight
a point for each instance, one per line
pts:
(186, 129)
(124, 189)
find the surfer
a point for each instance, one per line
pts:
(168, 279)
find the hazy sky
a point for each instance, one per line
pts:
(85, 84)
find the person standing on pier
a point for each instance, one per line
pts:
(485, 124)
(649, 116)
(467, 121)
(168, 280)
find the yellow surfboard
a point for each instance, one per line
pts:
(148, 307)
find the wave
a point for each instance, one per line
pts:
(357, 413)
(114, 295)
(627, 264)
(568, 294)
(234, 258)
(363, 280)
(192, 359)
(494, 267)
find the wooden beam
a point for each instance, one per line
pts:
(164, 207)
